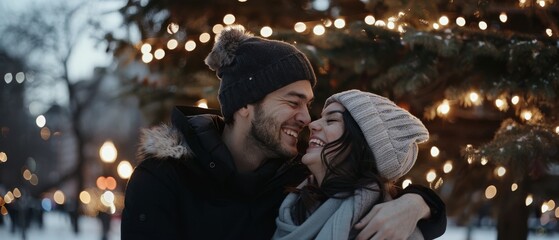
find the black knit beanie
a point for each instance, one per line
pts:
(251, 67)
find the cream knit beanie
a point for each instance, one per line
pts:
(391, 132)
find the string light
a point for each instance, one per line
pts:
(435, 25)
(147, 57)
(327, 23)
(460, 21)
(124, 169)
(300, 27)
(229, 19)
(501, 104)
(217, 28)
(483, 161)
(108, 152)
(474, 98)
(146, 48)
(447, 167)
(515, 99)
(557, 212)
(527, 115)
(490, 192)
(549, 32)
(391, 25)
(380, 23)
(529, 199)
(500, 171)
(85, 197)
(551, 204)
(172, 28)
(17, 193)
(431, 175)
(59, 197)
(370, 20)
(202, 103)
(266, 31)
(20, 76)
(482, 25)
(406, 183)
(41, 121)
(8, 78)
(159, 54)
(503, 17)
(443, 20)
(541, 3)
(435, 151)
(513, 187)
(3, 157)
(443, 108)
(189, 45)
(204, 37)
(557, 129)
(242, 1)
(172, 44)
(318, 30)
(544, 207)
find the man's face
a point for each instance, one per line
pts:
(279, 119)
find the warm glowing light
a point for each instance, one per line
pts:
(501, 104)
(3, 210)
(556, 212)
(483, 161)
(474, 97)
(490, 192)
(4, 156)
(380, 23)
(101, 183)
(34, 179)
(470, 160)
(111, 183)
(482, 25)
(147, 57)
(9, 197)
(229, 19)
(59, 197)
(124, 169)
(327, 23)
(107, 198)
(318, 30)
(527, 115)
(435, 151)
(20, 77)
(27, 174)
(17, 193)
(556, 131)
(435, 25)
(544, 207)
(541, 3)
(370, 20)
(45, 133)
(172, 28)
(551, 204)
(503, 17)
(108, 152)
(159, 54)
(401, 29)
(514, 187)
(266, 31)
(242, 0)
(8, 78)
(390, 25)
(549, 32)
(529, 200)
(447, 166)
(172, 44)
(190, 45)
(443, 108)
(146, 48)
(204, 37)
(460, 21)
(202, 103)
(217, 28)
(41, 121)
(300, 27)
(85, 197)
(515, 99)
(443, 20)
(431, 175)
(406, 183)
(339, 23)
(500, 171)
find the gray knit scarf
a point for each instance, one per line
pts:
(334, 219)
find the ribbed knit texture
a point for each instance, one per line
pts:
(391, 132)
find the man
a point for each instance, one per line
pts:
(207, 177)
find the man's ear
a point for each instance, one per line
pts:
(245, 111)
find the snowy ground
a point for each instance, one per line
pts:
(57, 227)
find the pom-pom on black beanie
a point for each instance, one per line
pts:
(251, 67)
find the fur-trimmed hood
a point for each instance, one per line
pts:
(163, 142)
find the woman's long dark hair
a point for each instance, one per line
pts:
(350, 165)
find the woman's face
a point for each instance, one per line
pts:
(326, 129)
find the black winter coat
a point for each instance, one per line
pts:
(188, 188)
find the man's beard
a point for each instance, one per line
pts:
(264, 133)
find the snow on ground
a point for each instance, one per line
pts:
(57, 227)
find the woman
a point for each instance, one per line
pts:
(361, 144)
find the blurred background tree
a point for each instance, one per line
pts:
(483, 75)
